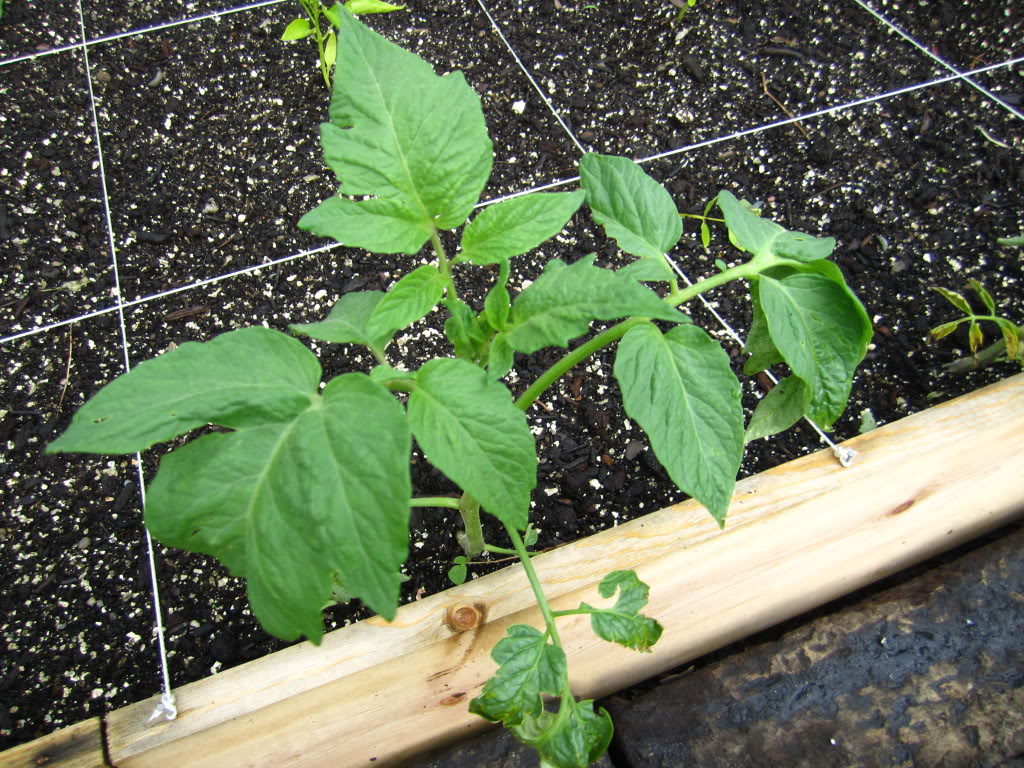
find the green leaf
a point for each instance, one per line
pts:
(954, 298)
(500, 357)
(648, 270)
(371, 6)
(469, 428)
(348, 321)
(288, 505)
(986, 297)
(194, 385)
(680, 388)
(513, 227)
(297, 29)
(457, 573)
(941, 331)
(574, 737)
(463, 331)
(631, 206)
(410, 299)
(415, 142)
(1011, 335)
(760, 347)
(496, 303)
(333, 14)
(560, 305)
(822, 332)
(779, 410)
(528, 666)
(381, 225)
(975, 337)
(758, 236)
(330, 50)
(1012, 241)
(384, 372)
(623, 623)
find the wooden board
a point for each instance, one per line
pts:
(798, 536)
(77, 746)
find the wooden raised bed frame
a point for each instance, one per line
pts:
(798, 536)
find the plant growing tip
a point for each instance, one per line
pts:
(307, 494)
(312, 25)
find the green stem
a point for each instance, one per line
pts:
(504, 551)
(574, 358)
(538, 590)
(617, 331)
(473, 542)
(435, 501)
(443, 264)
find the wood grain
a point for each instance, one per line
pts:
(798, 536)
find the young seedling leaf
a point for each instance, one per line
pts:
(632, 207)
(333, 15)
(496, 303)
(954, 298)
(574, 737)
(528, 666)
(347, 322)
(755, 235)
(297, 29)
(288, 505)
(194, 385)
(1011, 241)
(330, 50)
(975, 337)
(463, 330)
(415, 142)
(560, 305)
(679, 387)
(985, 296)
(513, 227)
(469, 428)
(1011, 335)
(941, 331)
(371, 6)
(822, 332)
(623, 623)
(779, 410)
(457, 573)
(410, 299)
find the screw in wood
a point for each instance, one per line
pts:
(463, 617)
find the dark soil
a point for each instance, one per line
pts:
(210, 154)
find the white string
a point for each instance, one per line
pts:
(939, 60)
(169, 292)
(166, 707)
(529, 76)
(135, 32)
(551, 185)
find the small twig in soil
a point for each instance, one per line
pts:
(67, 370)
(770, 95)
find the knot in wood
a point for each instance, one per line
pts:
(463, 617)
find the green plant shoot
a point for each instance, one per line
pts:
(1007, 348)
(321, 23)
(307, 493)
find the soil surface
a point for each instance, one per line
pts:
(210, 155)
